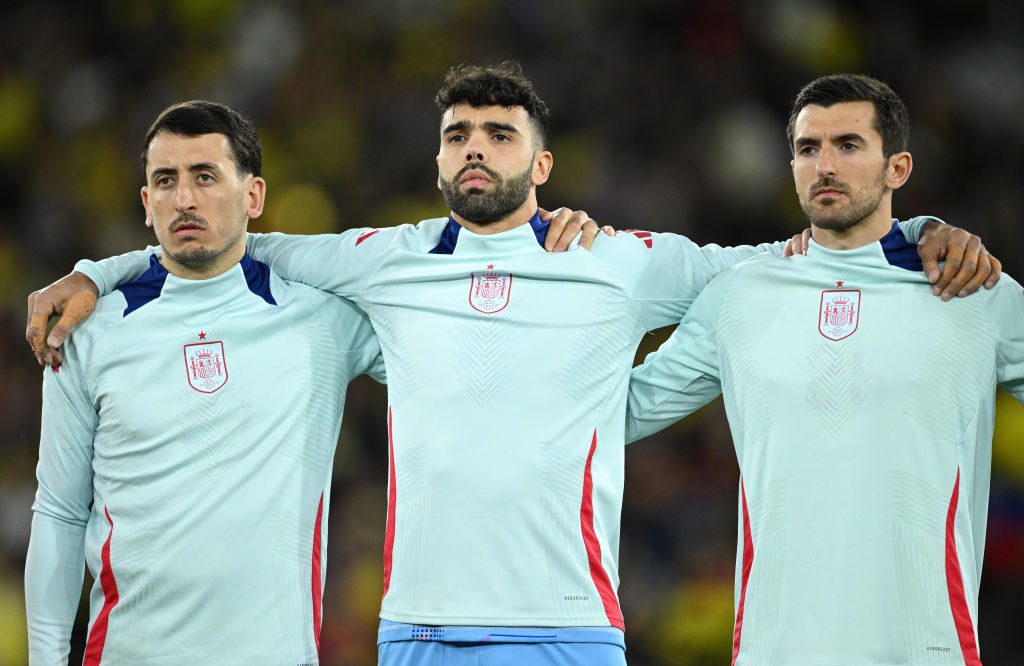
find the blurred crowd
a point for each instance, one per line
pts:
(667, 116)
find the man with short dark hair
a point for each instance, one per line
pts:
(505, 474)
(187, 438)
(864, 469)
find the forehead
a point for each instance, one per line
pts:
(516, 116)
(169, 149)
(816, 122)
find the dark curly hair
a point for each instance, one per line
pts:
(200, 117)
(892, 119)
(503, 84)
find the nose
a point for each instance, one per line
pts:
(826, 162)
(184, 199)
(475, 150)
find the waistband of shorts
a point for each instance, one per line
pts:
(390, 632)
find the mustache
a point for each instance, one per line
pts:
(829, 184)
(187, 218)
(476, 166)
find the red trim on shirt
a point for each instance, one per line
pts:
(366, 235)
(317, 581)
(98, 634)
(955, 586)
(645, 236)
(597, 572)
(389, 535)
(748, 564)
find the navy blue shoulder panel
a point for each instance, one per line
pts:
(451, 234)
(540, 229)
(257, 276)
(898, 251)
(448, 238)
(145, 288)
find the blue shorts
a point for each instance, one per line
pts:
(426, 653)
(400, 644)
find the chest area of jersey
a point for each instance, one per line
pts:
(424, 302)
(848, 334)
(501, 331)
(162, 379)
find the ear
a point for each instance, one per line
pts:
(898, 170)
(144, 193)
(543, 162)
(256, 197)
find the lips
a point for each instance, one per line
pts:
(187, 229)
(474, 178)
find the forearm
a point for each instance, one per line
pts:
(108, 273)
(915, 227)
(324, 262)
(651, 408)
(53, 586)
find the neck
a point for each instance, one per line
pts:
(216, 266)
(868, 230)
(518, 217)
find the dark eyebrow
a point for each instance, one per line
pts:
(800, 143)
(162, 171)
(491, 125)
(456, 127)
(500, 127)
(849, 137)
(170, 171)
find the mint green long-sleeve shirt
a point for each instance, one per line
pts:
(861, 409)
(185, 457)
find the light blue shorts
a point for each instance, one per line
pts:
(426, 653)
(400, 644)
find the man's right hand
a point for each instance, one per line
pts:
(73, 297)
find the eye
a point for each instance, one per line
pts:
(455, 138)
(164, 181)
(806, 150)
(502, 138)
(849, 147)
(205, 178)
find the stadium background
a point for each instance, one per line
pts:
(666, 116)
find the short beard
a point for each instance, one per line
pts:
(482, 207)
(197, 257)
(862, 205)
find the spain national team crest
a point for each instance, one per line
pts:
(839, 314)
(489, 291)
(205, 366)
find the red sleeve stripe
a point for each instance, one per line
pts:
(645, 236)
(748, 564)
(98, 634)
(955, 586)
(597, 572)
(365, 236)
(317, 581)
(389, 534)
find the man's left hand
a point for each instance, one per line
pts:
(968, 263)
(566, 225)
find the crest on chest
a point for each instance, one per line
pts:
(839, 313)
(489, 290)
(206, 367)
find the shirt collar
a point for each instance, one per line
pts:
(450, 237)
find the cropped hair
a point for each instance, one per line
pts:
(892, 119)
(199, 117)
